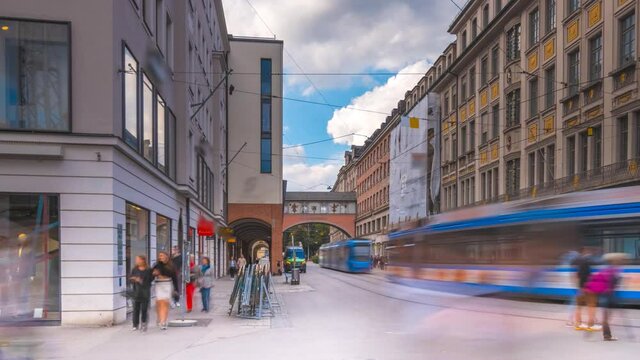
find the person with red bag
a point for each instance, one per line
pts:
(191, 286)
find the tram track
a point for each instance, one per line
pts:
(453, 304)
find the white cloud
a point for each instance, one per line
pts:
(307, 177)
(382, 99)
(346, 35)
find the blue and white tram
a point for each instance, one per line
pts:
(351, 255)
(522, 246)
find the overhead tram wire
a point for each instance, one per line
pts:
(288, 53)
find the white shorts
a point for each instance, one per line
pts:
(164, 289)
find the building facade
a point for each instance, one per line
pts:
(372, 185)
(119, 149)
(256, 189)
(542, 98)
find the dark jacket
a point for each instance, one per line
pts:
(141, 290)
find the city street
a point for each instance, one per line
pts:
(334, 315)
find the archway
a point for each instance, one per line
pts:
(250, 233)
(311, 235)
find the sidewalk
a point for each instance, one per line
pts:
(120, 342)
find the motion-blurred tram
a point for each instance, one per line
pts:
(522, 246)
(351, 255)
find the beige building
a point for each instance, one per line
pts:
(538, 97)
(256, 190)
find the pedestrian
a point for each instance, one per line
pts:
(176, 260)
(205, 282)
(141, 278)
(232, 268)
(603, 285)
(567, 260)
(190, 288)
(242, 262)
(584, 264)
(166, 283)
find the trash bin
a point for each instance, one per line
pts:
(295, 276)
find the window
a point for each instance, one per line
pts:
(540, 166)
(137, 233)
(484, 128)
(148, 14)
(472, 135)
(623, 138)
(627, 39)
(513, 177)
(534, 27)
(551, 162)
(513, 43)
(532, 169)
(148, 142)
(637, 154)
(574, 72)
(474, 28)
(30, 234)
(484, 69)
(169, 41)
(454, 96)
(571, 155)
(472, 81)
(265, 138)
(446, 103)
(463, 139)
(495, 61)
(497, 4)
(163, 234)
(463, 88)
(160, 35)
(513, 108)
(573, 5)
(130, 75)
(595, 58)
(454, 146)
(550, 87)
(597, 148)
(34, 76)
(584, 152)
(464, 40)
(161, 130)
(551, 15)
(533, 97)
(495, 121)
(485, 16)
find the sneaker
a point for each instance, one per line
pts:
(134, 328)
(595, 327)
(612, 338)
(144, 327)
(582, 326)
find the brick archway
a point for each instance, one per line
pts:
(343, 222)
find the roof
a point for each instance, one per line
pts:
(319, 196)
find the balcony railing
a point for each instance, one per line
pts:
(610, 175)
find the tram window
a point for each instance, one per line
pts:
(629, 244)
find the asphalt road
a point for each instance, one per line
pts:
(334, 316)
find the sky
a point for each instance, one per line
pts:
(330, 40)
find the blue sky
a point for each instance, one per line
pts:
(342, 36)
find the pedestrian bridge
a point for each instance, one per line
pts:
(337, 209)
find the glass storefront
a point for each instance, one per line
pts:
(163, 235)
(137, 239)
(29, 257)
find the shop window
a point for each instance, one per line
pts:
(30, 252)
(163, 235)
(137, 230)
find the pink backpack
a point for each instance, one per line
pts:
(601, 282)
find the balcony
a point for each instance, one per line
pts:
(570, 104)
(624, 76)
(592, 92)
